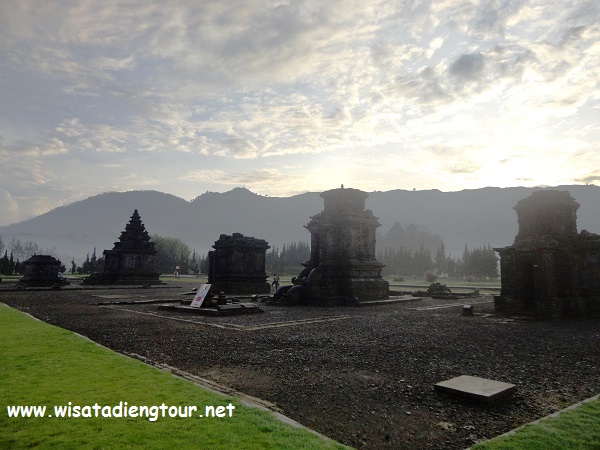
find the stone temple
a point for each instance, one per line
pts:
(237, 265)
(130, 261)
(550, 271)
(342, 268)
(42, 270)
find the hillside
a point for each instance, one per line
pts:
(474, 217)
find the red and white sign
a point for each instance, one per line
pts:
(200, 296)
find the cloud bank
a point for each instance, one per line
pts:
(293, 96)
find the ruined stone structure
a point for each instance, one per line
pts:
(342, 268)
(130, 261)
(237, 265)
(42, 270)
(551, 270)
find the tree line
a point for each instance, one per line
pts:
(287, 260)
(17, 252)
(478, 263)
(171, 254)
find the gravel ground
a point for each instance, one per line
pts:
(364, 376)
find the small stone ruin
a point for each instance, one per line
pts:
(550, 271)
(342, 268)
(42, 271)
(130, 261)
(237, 265)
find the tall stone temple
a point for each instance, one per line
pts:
(130, 260)
(550, 271)
(342, 268)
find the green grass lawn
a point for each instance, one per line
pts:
(578, 428)
(47, 366)
(10, 278)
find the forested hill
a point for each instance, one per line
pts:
(476, 217)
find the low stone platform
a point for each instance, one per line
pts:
(476, 388)
(229, 309)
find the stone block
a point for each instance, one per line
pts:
(476, 388)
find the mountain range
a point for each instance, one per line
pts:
(473, 217)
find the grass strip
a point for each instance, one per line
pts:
(574, 429)
(47, 366)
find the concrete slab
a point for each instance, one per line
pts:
(476, 388)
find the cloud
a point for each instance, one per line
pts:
(591, 178)
(135, 181)
(277, 181)
(468, 66)
(424, 89)
(22, 166)
(232, 87)
(232, 178)
(9, 207)
(238, 148)
(463, 167)
(575, 23)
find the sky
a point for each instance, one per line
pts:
(284, 97)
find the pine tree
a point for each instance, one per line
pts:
(4, 264)
(93, 261)
(441, 260)
(466, 269)
(86, 266)
(11, 264)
